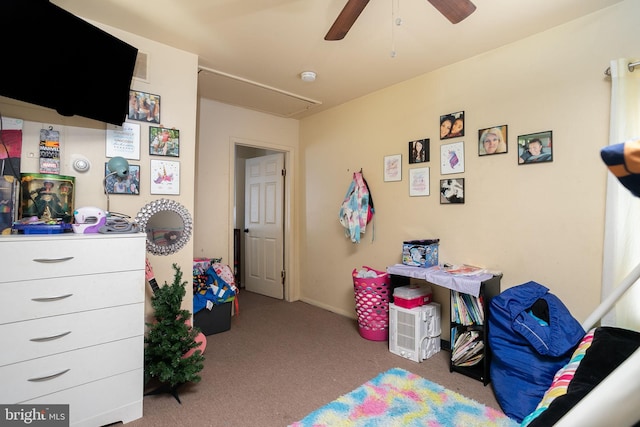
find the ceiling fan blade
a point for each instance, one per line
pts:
(454, 10)
(345, 20)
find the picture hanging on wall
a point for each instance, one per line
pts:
(393, 168)
(419, 182)
(451, 191)
(164, 142)
(144, 107)
(452, 158)
(452, 125)
(128, 185)
(123, 141)
(165, 177)
(492, 140)
(419, 151)
(535, 148)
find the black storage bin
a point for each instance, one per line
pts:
(214, 321)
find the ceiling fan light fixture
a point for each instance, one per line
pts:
(308, 76)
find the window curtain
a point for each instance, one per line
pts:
(622, 215)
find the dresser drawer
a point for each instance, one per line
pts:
(114, 399)
(34, 299)
(46, 257)
(52, 335)
(28, 380)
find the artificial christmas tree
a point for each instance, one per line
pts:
(169, 339)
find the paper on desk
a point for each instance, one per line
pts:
(461, 283)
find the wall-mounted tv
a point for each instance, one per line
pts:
(55, 59)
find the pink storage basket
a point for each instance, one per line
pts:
(372, 304)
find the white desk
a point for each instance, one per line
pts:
(468, 284)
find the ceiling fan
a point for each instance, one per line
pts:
(454, 10)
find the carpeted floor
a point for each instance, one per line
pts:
(280, 361)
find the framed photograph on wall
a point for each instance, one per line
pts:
(419, 151)
(492, 140)
(164, 141)
(535, 148)
(419, 182)
(452, 125)
(123, 141)
(451, 191)
(452, 158)
(165, 177)
(129, 185)
(144, 107)
(393, 168)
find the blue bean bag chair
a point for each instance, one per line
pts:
(532, 334)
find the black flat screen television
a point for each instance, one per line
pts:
(55, 59)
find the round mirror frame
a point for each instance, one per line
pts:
(156, 206)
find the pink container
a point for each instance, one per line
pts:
(412, 296)
(372, 304)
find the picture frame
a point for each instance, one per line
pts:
(452, 125)
(419, 151)
(419, 182)
(144, 107)
(165, 177)
(123, 141)
(116, 185)
(535, 148)
(493, 140)
(393, 168)
(164, 141)
(452, 191)
(452, 158)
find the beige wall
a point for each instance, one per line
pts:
(534, 222)
(173, 76)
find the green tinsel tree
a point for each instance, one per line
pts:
(169, 338)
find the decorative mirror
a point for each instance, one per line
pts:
(168, 225)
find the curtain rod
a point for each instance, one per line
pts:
(631, 66)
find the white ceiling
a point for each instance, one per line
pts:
(251, 52)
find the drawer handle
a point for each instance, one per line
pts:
(49, 377)
(51, 338)
(44, 299)
(53, 260)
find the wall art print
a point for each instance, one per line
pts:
(419, 182)
(452, 125)
(164, 142)
(452, 158)
(451, 191)
(493, 140)
(144, 107)
(535, 148)
(393, 168)
(128, 185)
(165, 177)
(123, 141)
(419, 151)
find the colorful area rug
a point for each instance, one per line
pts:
(400, 398)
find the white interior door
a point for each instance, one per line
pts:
(263, 219)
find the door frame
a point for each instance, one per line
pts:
(291, 284)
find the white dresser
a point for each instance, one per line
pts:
(72, 324)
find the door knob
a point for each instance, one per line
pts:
(246, 230)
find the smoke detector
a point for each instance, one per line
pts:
(308, 76)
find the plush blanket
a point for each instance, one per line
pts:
(601, 351)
